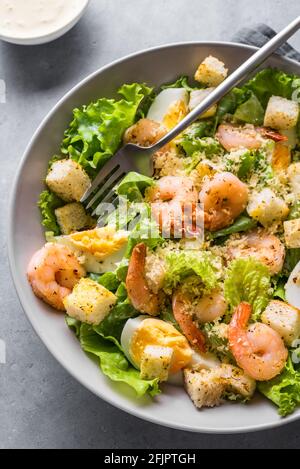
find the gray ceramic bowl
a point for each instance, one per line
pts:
(172, 408)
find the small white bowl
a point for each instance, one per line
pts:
(42, 39)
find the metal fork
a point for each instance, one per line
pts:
(132, 157)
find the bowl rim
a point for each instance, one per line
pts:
(137, 412)
(43, 38)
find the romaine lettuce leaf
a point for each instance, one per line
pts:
(108, 280)
(230, 103)
(133, 186)
(251, 111)
(191, 144)
(96, 131)
(113, 324)
(271, 82)
(182, 264)
(145, 231)
(182, 82)
(243, 223)
(292, 257)
(47, 203)
(295, 211)
(248, 280)
(113, 362)
(284, 390)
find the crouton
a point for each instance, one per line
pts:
(68, 180)
(211, 71)
(197, 96)
(294, 177)
(155, 362)
(267, 208)
(284, 319)
(237, 382)
(292, 233)
(204, 386)
(281, 113)
(72, 217)
(89, 302)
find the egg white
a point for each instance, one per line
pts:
(161, 104)
(129, 329)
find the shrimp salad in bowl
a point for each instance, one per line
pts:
(192, 276)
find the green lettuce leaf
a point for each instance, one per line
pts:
(112, 326)
(295, 211)
(47, 203)
(145, 231)
(271, 82)
(284, 390)
(192, 144)
(133, 186)
(248, 280)
(279, 289)
(108, 280)
(182, 82)
(292, 257)
(113, 362)
(241, 224)
(251, 111)
(230, 103)
(182, 264)
(96, 131)
(74, 325)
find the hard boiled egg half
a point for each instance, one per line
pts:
(292, 288)
(99, 250)
(169, 107)
(143, 331)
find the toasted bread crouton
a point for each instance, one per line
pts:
(211, 71)
(72, 217)
(281, 113)
(292, 233)
(237, 382)
(205, 387)
(284, 319)
(68, 180)
(155, 362)
(267, 207)
(89, 302)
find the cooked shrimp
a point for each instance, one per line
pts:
(250, 137)
(224, 198)
(53, 272)
(145, 132)
(173, 203)
(261, 245)
(258, 349)
(184, 316)
(210, 307)
(139, 293)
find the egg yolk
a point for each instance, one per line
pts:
(156, 332)
(176, 112)
(100, 242)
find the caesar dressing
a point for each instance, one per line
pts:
(35, 18)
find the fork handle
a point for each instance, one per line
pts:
(234, 79)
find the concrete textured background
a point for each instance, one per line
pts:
(41, 406)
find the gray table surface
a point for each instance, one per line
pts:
(41, 406)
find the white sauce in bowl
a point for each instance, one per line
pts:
(36, 18)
